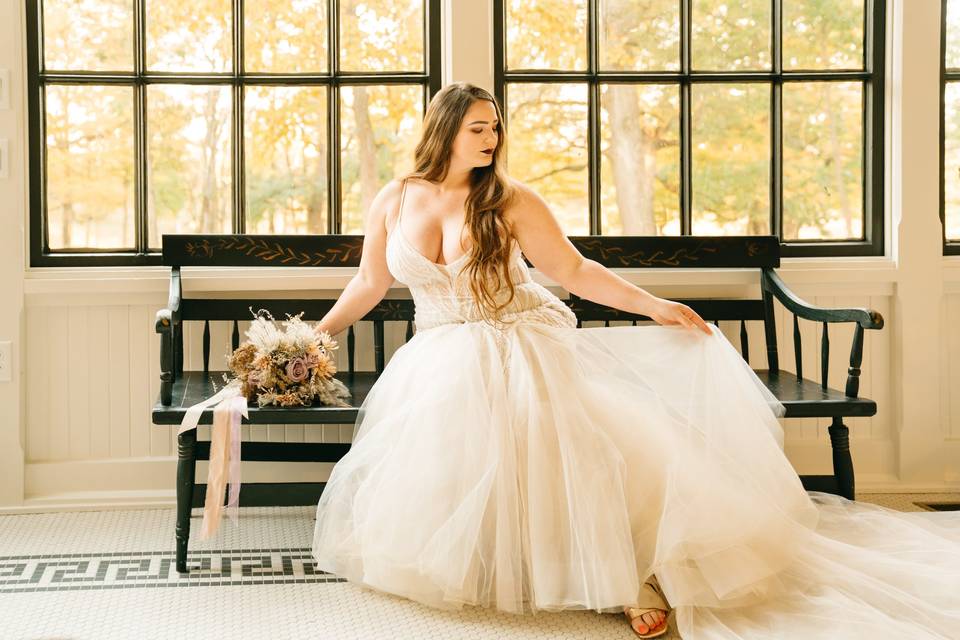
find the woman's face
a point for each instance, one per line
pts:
(478, 136)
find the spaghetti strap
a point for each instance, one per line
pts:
(403, 192)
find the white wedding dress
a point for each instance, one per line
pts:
(545, 467)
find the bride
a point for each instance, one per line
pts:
(506, 458)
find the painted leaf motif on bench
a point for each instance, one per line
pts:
(642, 258)
(274, 252)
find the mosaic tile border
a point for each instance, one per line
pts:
(157, 569)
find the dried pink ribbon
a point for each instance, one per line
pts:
(224, 454)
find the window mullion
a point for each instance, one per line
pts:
(140, 150)
(236, 131)
(333, 121)
(593, 119)
(686, 211)
(776, 122)
(873, 138)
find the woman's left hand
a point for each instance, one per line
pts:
(668, 312)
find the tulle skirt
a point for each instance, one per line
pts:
(542, 468)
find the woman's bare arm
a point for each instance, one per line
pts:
(373, 279)
(549, 250)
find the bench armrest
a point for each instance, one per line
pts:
(171, 336)
(171, 314)
(866, 318)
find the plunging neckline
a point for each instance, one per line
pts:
(398, 230)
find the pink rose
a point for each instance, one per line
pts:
(297, 370)
(313, 360)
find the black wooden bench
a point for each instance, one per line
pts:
(803, 398)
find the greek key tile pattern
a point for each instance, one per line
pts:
(157, 569)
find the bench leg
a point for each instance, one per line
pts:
(186, 472)
(842, 462)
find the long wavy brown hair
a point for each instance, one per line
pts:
(490, 192)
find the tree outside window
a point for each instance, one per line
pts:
(702, 117)
(217, 116)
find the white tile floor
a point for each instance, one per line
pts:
(110, 574)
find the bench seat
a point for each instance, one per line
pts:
(196, 386)
(801, 398)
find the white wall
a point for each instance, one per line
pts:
(88, 333)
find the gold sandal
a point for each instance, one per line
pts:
(652, 600)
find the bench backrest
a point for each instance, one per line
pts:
(225, 250)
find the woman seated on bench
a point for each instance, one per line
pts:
(507, 459)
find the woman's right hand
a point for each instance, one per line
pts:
(668, 312)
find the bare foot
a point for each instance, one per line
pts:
(648, 622)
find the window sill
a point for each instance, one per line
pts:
(151, 283)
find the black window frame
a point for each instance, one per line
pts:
(139, 78)
(872, 77)
(950, 248)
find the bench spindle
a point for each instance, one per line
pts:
(378, 355)
(235, 336)
(351, 349)
(824, 356)
(606, 323)
(770, 332)
(409, 334)
(856, 356)
(206, 346)
(177, 332)
(744, 342)
(797, 347)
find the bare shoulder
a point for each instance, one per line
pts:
(526, 208)
(384, 205)
(388, 197)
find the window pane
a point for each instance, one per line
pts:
(89, 36)
(952, 53)
(547, 34)
(189, 169)
(547, 147)
(639, 36)
(815, 38)
(822, 160)
(951, 160)
(379, 127)
(189, 36)
(90, 167)
(731, 159)
(381, 35)
(730, 36)
(286, 159)
(640, 159)
(285, 37)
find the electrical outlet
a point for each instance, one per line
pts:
(6, 362)
(4, 158)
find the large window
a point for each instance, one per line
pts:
(950, 126)
(238, 116)
(703, 117)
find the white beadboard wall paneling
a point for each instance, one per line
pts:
(98, 371)
(37, 408)
(58, 394)
(78, 357)
(119, 380)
